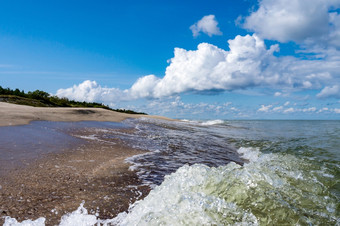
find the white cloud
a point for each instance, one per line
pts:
(298, 21)
(334, 36)
(328, 91)
(277, 94)
(278, 109)
(90, 91)
(248, 63)
(264, 108)
(211, 68)
(207, 25)
(177, 108)
(143, 87)
(336, 110)
(311, 109)
(289, 110)
(323, 109)
(287, 103)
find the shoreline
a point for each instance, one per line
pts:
(59, 181)
(13, 114)
(91, 171)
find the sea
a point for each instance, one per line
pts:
(226, 172)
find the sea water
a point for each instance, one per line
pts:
(228, 173)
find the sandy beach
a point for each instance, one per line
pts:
(12, 114)
(56, 183)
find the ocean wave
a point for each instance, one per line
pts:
(212, 122)
(205, 123)
(270, 188)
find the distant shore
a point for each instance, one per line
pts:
(13, 114)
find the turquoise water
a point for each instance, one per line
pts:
(232, 173)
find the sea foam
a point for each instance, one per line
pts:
(212, 122)
(270, 189)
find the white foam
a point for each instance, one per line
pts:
(212, 122)
(262, 191)
(79, 217)
(89, 137)
(204, 123)
(13, 222)
(179, 201)
(250, 154)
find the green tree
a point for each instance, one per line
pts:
(38, 94)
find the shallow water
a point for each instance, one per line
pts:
(229, 172)
(20, 145)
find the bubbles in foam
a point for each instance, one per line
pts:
(13, 222)
(250, 154)
(79, 217)
(271, 188)
(277, 189)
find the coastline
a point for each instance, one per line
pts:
(57, 183)
(13, 114)
(196, 169)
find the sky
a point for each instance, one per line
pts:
(245, 59)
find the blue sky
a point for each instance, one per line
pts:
(268, 59)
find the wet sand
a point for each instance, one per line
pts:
(54, 183)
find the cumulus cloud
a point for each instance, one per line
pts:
(333, 91)
(207, 25)
(211, 68)
(248, 63)
(90, 91)
(144, 86)
(298, 21)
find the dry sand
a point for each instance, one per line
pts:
(13, 114)
(57, 183)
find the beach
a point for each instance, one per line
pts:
(12, 114)
(34, 183)
(151, 171)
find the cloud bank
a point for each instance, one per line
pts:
(290, 110)
(206, 25)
